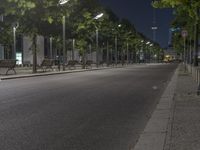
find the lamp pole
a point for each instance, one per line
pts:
(97, 47)
(64, 46)
(51, 48)
(62, 2)
(97, 39)
(14, 46)
(147, 44)
(15, 26)
(116, 50)
(127, 53)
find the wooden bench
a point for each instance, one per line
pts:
(88, 63)
(9, 64)
(101, 63)
(47, 63)
(72, 63)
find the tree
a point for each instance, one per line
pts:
(190, 7)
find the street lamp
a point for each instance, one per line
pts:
(15, 26)
(146, 50)
(116, 51)
(62, 2)
(141, 55)
(97, 39)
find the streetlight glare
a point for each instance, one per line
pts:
(148, 43)
(98, 16)
(62, 2)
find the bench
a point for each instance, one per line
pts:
(47, 63)
(88, 63)
(9, 64)
(72, 63)
(101, 63)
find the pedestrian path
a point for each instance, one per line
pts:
(24, 72)
(184, 131)
(174, 125)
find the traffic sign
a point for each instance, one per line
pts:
(184, 33)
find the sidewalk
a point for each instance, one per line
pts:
(25, 72)
(174, 124)
(184, 130)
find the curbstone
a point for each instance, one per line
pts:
(155, 132)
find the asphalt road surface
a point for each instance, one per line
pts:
(96, 110)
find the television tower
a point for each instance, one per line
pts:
(154, 27)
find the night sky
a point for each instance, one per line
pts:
(140, 13)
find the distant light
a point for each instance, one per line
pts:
(154, 28)
(62, 2)
(147, 42)
(142, 41)
(98, 16)
(119, 25)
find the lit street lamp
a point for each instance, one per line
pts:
(15, 26)
(116, 50)
(146, 50)
(62, 2)
(97, 39)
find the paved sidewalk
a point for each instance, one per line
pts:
(184, 129)
(25, 72)
(174, 124)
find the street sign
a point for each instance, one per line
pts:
(184, 33)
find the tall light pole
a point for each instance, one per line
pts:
(141, 54)
(64, 46)
(62, 2)
(97, 39)
(15, 26)
(150, 52)
(51, 47)
(147, 44)
(116, 48)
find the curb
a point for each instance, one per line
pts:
(53, 73)
(63, 72)
(155, 133)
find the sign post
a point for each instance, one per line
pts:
(184, 34)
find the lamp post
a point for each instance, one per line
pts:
(97, 39)
(150, 52)
(127, 53)
(51, 47)
(15, 26)
(116, 49)
(141, 55)
(62, 2)
(147, 43)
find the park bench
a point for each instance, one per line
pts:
(88, 63)
(9, 64)
(47, 63)
(72, 63)
(101, 63)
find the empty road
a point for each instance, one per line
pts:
(95, 110)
